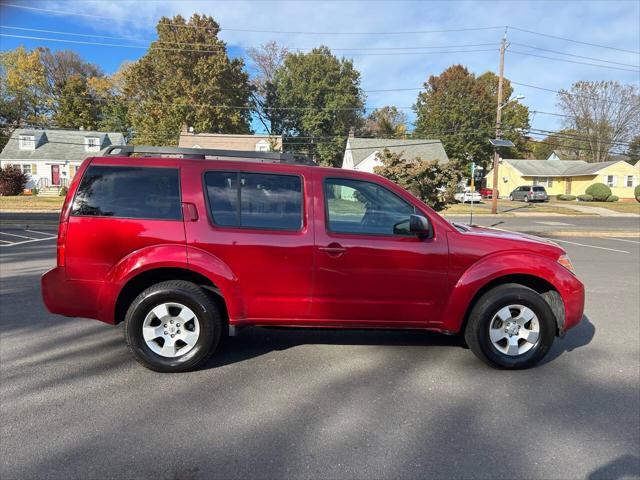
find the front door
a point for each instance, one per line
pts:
(369, 270)
(567, 189)
(55, 174)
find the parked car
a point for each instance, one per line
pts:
(466, 195)
(487, 192)
(187, 250)
(529, 193)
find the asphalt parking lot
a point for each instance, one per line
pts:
(319, 404)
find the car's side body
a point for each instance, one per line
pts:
(311, 275)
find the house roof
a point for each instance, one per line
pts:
(557, 168)
(362, 148)
(52, 144)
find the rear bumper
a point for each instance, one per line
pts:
(71, 298)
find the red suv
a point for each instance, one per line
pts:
(189, 248)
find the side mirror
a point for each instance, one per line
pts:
(420, 226)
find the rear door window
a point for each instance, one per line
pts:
(129, 192)
(255, 200)
(538, 189)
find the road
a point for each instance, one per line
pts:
(319, 404)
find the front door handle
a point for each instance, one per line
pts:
(333, 249)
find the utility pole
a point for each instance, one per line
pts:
(494, 196)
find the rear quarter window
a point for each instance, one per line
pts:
(255, 200)
(128, 192)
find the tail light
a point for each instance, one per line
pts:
(62, 240)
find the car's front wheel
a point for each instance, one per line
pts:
(172, 326)
(511, 198)
(511, 326)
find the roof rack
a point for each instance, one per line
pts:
(204, 153)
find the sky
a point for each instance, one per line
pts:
(396, 45)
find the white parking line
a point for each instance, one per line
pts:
(620, 240)
(6, 241)
(14, 235)
(28, 241)
(42, 233)
(590, 246)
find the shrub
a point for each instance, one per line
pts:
(566, 198)
(585, 198)
(612, 198)
(12, 180)
(63, 191)
(636, 192)
(599, 191)
(430, 181)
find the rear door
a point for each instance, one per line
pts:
(119, 208)
(254, 218)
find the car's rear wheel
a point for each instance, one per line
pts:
(511, 326)
(511, 198)
(172, 326)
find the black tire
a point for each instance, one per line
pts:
(189, 295)
(526, 199)
(511, 198)
(477, 331)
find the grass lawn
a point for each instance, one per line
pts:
(507, 207)
(31, 203)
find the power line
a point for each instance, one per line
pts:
(248, 30)
(573, 61)
(223, 47)
(576, 56)
(217, 50)
(572, 40)
(565, 93)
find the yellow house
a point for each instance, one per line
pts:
(570, 177)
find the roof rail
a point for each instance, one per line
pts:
(203, 153)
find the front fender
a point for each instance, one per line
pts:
(503, 264)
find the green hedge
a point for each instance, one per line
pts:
(636, 192)
(612, 198)
(599, 191)
(566, 198)
(585, 198)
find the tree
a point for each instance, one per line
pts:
(22, 91)
(606, 115)
(267, 60)
(61, 66)
(386, 122)
(108, 92)
(187, 78)
(316, 94)
(77, 107)
(633, 152)
(566, 143)
(460, 109)
(430, 181)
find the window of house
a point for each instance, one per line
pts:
(262, 146)
(26, 168)
(610, 180)
(354, 206)
(629, 181)
(550, 182)
(92, 144)
(255, 200)
(129, 192)
(27, 142)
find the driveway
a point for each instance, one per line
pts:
(320, 404)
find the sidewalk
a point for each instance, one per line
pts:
(604, 212)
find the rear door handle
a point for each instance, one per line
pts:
(333, 249)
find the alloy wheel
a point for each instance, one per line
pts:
(171, 329)
(514, 330)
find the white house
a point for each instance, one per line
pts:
(51, 157)
(226, 141)
(361, 153)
